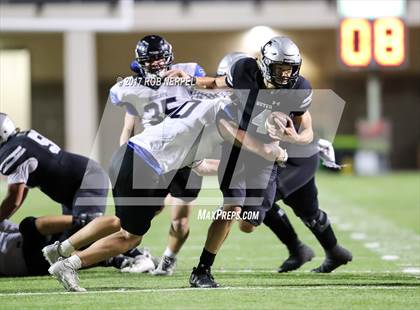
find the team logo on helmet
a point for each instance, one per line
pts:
(276, 55)
(153, 55)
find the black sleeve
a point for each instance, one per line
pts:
(304, 96)
(244, 79)
(244, 74)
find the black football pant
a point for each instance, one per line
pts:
(296, 187)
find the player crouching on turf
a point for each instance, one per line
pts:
(28, 159)
(21, 245)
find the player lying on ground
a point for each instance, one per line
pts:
(278, 68)
(29, 159)
(142, 176)
(154, 57)
(21, 245)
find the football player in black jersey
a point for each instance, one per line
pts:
(21, 245)
(278, 68)
(29, 159)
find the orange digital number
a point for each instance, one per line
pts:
(389, 41)
(356, 42)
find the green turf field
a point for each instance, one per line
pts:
(378, 218)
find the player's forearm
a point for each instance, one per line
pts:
(205, 82)
(233, 134)
(8, 208)
(306, 136)
(207, 167)
(15, 197)
(211, 82)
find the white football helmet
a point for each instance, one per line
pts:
(228, 60)
(7, 128)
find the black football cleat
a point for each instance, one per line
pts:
(335, 257)
(297, 258)
(202, 279)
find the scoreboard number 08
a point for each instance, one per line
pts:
(379, 42)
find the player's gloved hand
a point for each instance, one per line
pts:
(327, 154)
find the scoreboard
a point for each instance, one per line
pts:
(372, 34)
(370, 43)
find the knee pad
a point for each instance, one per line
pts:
(277, 216)
(28, 227)
(317, 223)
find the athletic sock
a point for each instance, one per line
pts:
(66, 248)
(75, 262)
(168, 253)
(206, 260)
(277, 220)
(326, 238)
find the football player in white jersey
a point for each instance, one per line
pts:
(146, 104)
(143, 174)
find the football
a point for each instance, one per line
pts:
(276, 118)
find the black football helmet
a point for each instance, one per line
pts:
(150, 49)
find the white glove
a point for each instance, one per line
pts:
(327, 154)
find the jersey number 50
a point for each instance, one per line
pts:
(185, 109)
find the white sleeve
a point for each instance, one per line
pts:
(119, 97)
(8, 226)
(22, 172)
(116, 94)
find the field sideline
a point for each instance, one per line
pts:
(378, 218)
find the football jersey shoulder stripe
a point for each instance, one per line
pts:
(307, 101)
(10, 160)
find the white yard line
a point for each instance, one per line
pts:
(227, 288)
(383, 237)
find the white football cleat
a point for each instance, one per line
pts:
(166, 267)
(51, 253)
(66, 275)
(141, 263)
